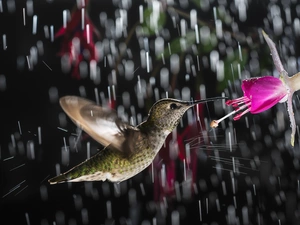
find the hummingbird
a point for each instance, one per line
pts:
(127, 149)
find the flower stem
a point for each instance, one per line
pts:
(294, 82)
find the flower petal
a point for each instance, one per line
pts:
(274, 53)
(264, 92)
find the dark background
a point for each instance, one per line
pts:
(270, 193)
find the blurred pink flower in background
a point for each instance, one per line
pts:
(77, 38)
(180, 150)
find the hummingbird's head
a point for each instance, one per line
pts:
(166, 113)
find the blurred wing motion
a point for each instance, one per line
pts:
(101, 124)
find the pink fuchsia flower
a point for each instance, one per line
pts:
(77, 37)
(262, 93)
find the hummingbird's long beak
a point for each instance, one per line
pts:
(205, 100)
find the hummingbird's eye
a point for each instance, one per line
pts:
(173, 106)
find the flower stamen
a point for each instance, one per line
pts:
(239, 104)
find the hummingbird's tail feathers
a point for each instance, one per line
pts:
(58, 179)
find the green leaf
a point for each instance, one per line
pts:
(179, 45)
(209, 45)
(231, 68)
(147, 25)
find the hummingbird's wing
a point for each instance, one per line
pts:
(100, 123)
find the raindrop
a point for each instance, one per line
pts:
(40, 47)
(197, 33)
(224, 188)
(118, 28)
(296, 26)
(292, 65)
(175, 218)
(183, 27)
(4, 42)
(44, 222)
(29, 7)
(242, 9)
(174, 59)
(85, 216)
(205, 35)
(2, 82)
(57, 169)
(129, 69)
(186, 94)
(66, 13)
(177, 191)
(163, 175)
(83, 69)
(148, 62)
(60, 218)
(143, 58)
(220, 70)
(46, 32)
(219, 29)
(72, 221)
(231, 214)
(141, 13)
(287, 11)
(126, 99)
(65, 156)
(214, 59)
(132, 197)
(205, 5)
(103, 100)
(193, 18)
(21, 62)
(53, 94)
(278, 25)
(33, 55)
(108, 209)
(39, 135)
(103, 18)
(21, 147)
(159, 46)
(27, 218)
(77, 202)
(52, 33)
(202, 89)
(30, 150)
(29, 63)
(146, 44)
(11, 6)
(105, 189)
(164, 78)
(62, 119)
(34, 24)
(200, 210)
(146, 222)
